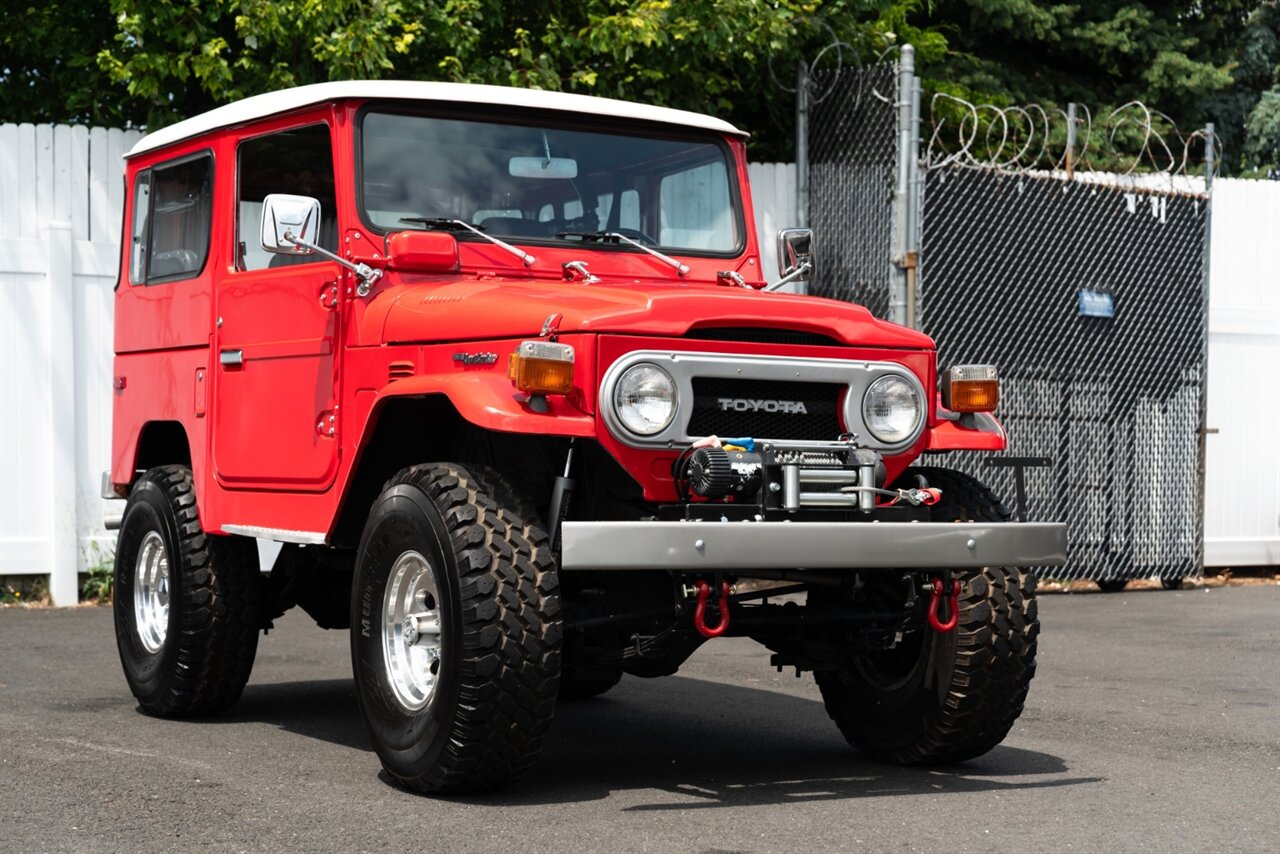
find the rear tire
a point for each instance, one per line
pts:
(187, 605)
(945, 698)
(459, 699)
(1111, 585)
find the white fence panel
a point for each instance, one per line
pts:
(1242, 460)
(773, 191)
(61, 190)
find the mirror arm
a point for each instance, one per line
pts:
(803, 269)
(368, 275)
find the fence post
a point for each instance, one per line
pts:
(64, 560)
(1071, 140)
(901, 265)
(1202, 438)
(802, 144)
(915, 210)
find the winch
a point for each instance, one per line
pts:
(715, 472)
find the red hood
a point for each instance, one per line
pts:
(492, 308)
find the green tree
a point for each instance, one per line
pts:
(1193, 60)
(178, 57)
(48, 65)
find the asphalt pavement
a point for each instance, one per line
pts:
(1153, 724)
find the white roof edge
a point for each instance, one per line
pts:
(285, 100)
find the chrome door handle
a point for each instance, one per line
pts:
(231, 358)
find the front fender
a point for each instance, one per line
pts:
(488, 400)
(983, 433)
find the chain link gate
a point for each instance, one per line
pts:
(852, 158)
(1087, 291)
(1090, 300)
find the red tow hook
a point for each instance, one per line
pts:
(935, 599)
(700, 609)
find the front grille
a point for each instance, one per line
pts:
(763, 335)
(820, 419)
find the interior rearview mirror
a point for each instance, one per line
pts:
(795, 250)
(286, 219)
(543, 167)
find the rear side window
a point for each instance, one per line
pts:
(138, 240)
(173, 210)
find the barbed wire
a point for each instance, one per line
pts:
(1130, 140)
(825, 69)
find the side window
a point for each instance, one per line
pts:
(138, 239)
(172, 212)
(298, 162)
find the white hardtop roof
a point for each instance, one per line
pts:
(285, 100)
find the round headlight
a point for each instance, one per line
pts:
(891, 409)
(645, 399)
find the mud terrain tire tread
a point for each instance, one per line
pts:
(510, 634)
(213, 637)
(995, 650)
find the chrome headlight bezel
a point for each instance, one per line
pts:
(901, 383)
(652, 374)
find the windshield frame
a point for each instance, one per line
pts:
(563, 119)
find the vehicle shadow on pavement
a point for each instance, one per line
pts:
(325, 710)
(706, 744)
(715, 745)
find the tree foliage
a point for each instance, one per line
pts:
(1193, 60)
(180, 56)
(152, 62)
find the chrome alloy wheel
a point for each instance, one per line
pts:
(151, 592)
(411, 630)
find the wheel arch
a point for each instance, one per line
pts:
(160, 442)
(405, 430)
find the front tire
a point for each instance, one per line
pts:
(187, 605)
(456, 630)
(945, 698)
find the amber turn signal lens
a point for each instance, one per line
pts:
(971, 388)
(542, 367)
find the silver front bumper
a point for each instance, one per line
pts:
(742, 546)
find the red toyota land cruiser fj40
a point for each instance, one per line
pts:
(501, 370)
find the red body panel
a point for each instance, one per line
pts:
(274, 440)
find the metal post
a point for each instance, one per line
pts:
(898, 270)
(1071, 140)
(1209, 165)
(802, 144)
(916, 190)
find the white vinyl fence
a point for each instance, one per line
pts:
(61, 190)
(1242, 459)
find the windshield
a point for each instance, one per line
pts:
(548, 183)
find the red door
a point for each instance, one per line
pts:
(275, 416)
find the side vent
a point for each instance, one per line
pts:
(399, 371)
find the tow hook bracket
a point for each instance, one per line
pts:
(953, 606)
(700, 609)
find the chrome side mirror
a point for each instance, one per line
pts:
(795, 257)
(290, 224)
(795, 250)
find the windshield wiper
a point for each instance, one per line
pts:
(445, 224)
(614, 237)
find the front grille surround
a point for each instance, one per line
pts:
(777, 374)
